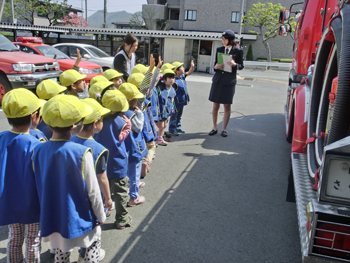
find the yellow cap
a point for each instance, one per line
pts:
(111, 74)
(70, 76)
(130, 91)
(136, 79)
(49, 88)
(177, 64)
(115, 101)
(168, 71)
(96, 79)
(97, 110)
(64, 111)
(19, 103)
(139, 68)
(166, 66)
(97, 89)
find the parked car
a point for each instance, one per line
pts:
(88, 52)
(19, 69)
(34, 45)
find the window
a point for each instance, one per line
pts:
(64, 49)
(27, 50)
(205, 47)
(191, 15)
(235, 17)
(73, 51)
(174, 14)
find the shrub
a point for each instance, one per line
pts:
(289, 60)
(250, 53)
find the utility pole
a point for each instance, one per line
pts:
(240, 22)
(2, 9)
(105, 25)
(86, 10)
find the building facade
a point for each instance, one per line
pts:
(217, 16)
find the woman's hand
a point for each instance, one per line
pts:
(231, 63)
(219, 66)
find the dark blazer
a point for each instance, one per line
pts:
(227, 78)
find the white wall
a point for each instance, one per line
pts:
(174, 50)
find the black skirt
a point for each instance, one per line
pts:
(222, 93)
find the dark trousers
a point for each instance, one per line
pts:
(175, 120)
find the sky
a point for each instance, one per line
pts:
(130, 6)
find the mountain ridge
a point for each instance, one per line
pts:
(97, 18)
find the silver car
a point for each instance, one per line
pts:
(88, 52)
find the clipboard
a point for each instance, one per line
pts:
(224, 58)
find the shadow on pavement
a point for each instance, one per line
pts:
(223, 205)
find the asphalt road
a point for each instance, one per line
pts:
(213, 199)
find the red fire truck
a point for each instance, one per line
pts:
(317, 115)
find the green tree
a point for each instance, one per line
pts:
(26, 9)
(250, 56)
(53, 10)
(136, 21)
(265, 18)
(149, 18)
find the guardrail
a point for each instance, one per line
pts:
(267, 65)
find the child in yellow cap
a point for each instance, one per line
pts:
(181, 99)
(114, 76)
(74, 81)
(46, 90)
(135, 143)
(116, 128)
(71, 211)
(147, 131)
(93, 124)
(97, 90)
(166, 95)
(19, 203)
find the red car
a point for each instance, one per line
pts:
(34, 45)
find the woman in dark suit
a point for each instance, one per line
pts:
(224, 83)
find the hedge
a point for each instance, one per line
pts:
(288, 60)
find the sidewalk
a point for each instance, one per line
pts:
(241, 74)
(264, 65)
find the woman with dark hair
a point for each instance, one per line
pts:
(224, 83)
(124, 61)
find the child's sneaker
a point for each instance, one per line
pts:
(166, 139)
(121, 227)
(142, 184)
(136, 201)
(173, 133)
(102, 254)
(180, 131)
(162, 142)
(167, 134)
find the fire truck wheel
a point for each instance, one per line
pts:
(5, 86)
